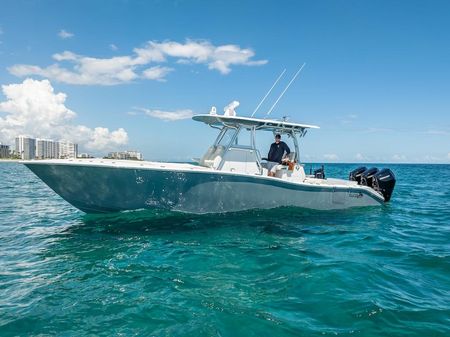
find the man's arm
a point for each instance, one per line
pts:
(269, 156)
(286, 148)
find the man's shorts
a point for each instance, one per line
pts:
(272, 166)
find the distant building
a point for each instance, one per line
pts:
(67, 149)
(135, 155)
(47, 149)
(30, 148)
(85, 155)
(126, 155)
(4, 151)
(26, 147)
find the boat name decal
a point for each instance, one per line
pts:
(355, 195)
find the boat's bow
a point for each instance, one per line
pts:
(100, 185)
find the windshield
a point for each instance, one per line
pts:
(244, 139)
(225, 137)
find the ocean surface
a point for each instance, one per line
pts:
(378, 271)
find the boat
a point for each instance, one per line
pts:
(231, 176)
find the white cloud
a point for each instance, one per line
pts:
(349, 119)
(156, 73)
(169, 115)
(448, 156)
(87, 70)
(101, 138)
(359, 156)
(399, 157)
(331, 156)
(437, 132)
(376, 130)
(63, 34)
(112, 46)
(32, 107)
(220, 58)
(72, 68)
(432, 159)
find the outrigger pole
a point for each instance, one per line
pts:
(285, 89)
(267, 94)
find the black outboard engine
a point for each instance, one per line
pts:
(319, 173)
(355, 175)
(384, 182)
(367, 176)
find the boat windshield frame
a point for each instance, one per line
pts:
(227, 123)
(231, 143)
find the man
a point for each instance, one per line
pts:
(276, 154)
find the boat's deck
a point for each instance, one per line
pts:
(119, 163)
(135, 164)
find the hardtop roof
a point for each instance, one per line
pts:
(249, 122)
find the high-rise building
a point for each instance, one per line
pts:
(55, 150)
(126, 155)
(26, 147)
(30, 148)
(67, 149)
(47, 149)
(4, 151)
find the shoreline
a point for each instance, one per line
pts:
(10, 160)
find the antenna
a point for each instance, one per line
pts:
(285, 89)
(267, 94)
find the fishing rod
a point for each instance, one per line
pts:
(285, 89)
(267, 94)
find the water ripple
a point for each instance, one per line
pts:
(381, 271)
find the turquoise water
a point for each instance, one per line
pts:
(382, 271)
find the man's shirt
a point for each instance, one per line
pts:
(276, 151)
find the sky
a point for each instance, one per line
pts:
(118, 75)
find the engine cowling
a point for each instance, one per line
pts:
(367, 176)
(384, 182)
(356, 174)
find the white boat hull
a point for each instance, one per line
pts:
(95, 186)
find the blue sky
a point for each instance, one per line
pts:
(376, 78)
